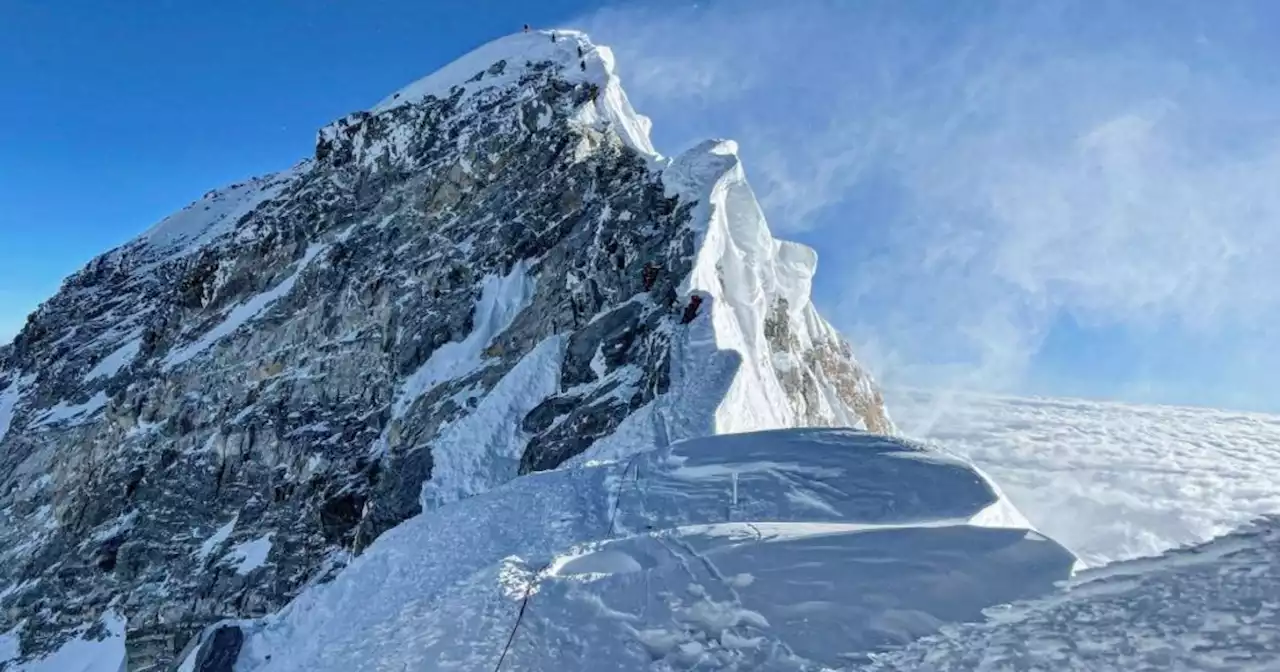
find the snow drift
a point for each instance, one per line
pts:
(1214, 606)
(773, 550)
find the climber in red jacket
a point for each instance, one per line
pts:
(691, 310)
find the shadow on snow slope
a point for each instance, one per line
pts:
(789, 549)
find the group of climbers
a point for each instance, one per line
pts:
(582, 62)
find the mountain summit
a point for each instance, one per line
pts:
(490, 273)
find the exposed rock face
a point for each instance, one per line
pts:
(451, 293)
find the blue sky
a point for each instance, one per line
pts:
(1062, 197)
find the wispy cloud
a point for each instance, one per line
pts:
(978, 171)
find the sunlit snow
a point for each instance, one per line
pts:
(501, 300)
(693, 555)
(1111, 481)
(1211, 607)
(115, 361)
(72, 414)
(8, 400)
(596, 65)
(213, 215)
(250, 555)
(215, 540)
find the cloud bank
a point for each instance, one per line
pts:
(983, 178)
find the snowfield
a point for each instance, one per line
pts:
(1210, 607)
(836, 549)
(1111, 481)
(789, 549)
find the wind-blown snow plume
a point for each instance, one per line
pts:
(993, 177)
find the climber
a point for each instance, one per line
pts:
(691, 310)
(650, 273)
(583, 63)
(553, 36)
(526, 27)
(580, 51)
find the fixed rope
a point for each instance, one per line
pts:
(524, 604)
(617, 493)
(613, 518)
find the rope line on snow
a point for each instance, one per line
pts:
(613, 518)
(528, 591)
(617, 493)
(524, 603)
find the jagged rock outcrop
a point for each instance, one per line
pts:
(452, 292)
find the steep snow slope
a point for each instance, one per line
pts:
(489, 274)
(774, 550)
(1111, 481)
(762, 287)
(1215, 606)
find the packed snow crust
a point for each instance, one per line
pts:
(774, 550)
(1215, 606)
(483, 449)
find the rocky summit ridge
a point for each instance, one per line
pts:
(489, 273)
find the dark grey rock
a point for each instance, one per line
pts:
(284, 429)
(215, 649)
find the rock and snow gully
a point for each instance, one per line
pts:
(321, 386)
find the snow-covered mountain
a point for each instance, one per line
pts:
(489, 273)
